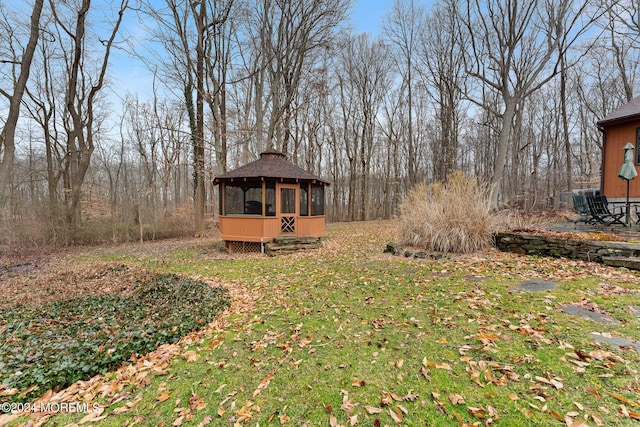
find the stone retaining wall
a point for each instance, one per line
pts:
(586, 250)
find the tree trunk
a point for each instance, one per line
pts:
(503, 146)
(199, 189)
(565, 122)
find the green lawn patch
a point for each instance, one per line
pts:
(348, 336)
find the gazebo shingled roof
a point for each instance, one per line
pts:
(271, 164)
(628, 111)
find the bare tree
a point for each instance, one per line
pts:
(621, 38)
(364, 78)
(82, 94)
(290, 33)
(403, 28)
(193, 35)
(45, 106)
(14, 95)
(442, 68)
(515, 48)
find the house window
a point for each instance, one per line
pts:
(637, 146)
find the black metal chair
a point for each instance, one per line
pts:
(599, 209)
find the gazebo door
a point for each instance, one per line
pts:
(288, 208)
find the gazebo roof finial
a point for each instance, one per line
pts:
(272, 153)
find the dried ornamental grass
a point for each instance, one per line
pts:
(448, 217)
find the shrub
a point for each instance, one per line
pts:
(448, 217)
(53, 345)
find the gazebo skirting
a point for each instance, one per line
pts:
(245, 228)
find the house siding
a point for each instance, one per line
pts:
(616, 136)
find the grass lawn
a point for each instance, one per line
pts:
(348, 335)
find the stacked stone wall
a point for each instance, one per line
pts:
(586, 250)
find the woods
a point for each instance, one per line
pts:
(508, 91)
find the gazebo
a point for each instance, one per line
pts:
(619, 128)
(268, 199)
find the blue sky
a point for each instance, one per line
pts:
(366, 15)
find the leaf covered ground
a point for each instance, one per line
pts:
(348, 335)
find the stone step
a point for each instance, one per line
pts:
(287, 245)
(287, 240)
(632, 263)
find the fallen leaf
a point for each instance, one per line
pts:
(492, 411)
(196, 403)
(346, 406)
(263, 384)
(411, 396)
(477, 412)
(597, 420)
(623, 399)
(542, 380)
(190, 356)
(246, 412)
(605, 356)
(283, 418)
(373, 410)
(593, 391)
(555, 415)
(624, 411)
(163, 396)
(94, 416)
(430, 364)
(486, 338)
(386, 398)
(557, 384)
(425, 373)
(456, 399)
(396, 415)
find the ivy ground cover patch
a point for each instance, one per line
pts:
(54, 344)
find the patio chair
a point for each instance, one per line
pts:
(581, 207)
(599, 209)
